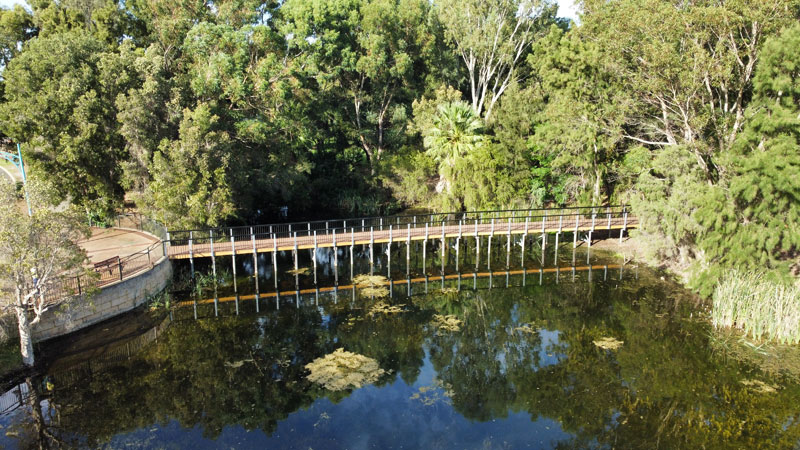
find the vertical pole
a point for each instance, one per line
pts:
(274, 262)
(544, 240)
(371, 254)
(191, 253)
(352, 245)
(555, 258)
(508, 245)
(255, 257)
(233, 263)
(335, 263)
(408, 249)
(314, 257)
(608, 215)
(295, 252)
(624, 223)
(575, 235)
(213, 256)
(389, 255)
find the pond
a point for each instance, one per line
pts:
(458, 351)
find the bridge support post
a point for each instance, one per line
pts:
(575, 235)
(408, 249)
(425, 251)
(389, 255)
(489, 249)
(352, 245)
(371, 253)
(624, 223)
(255, 258)
(274, 261)
(335, 263)
(213, 256)
(555, 259)
(314, 257)
(233, 263)
(544, 240)
(191, 253)
(508, 245)
(294, 251)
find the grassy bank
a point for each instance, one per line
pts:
(762, 309)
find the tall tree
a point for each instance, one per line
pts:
(36, 251)
(16, 27)
(751, 219)
(371, 56)
(580, 126)
(493, 38)
(60, 96)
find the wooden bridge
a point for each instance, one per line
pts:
(395, 229)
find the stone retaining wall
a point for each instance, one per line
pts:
(108, 302)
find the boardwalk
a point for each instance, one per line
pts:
(340, 233)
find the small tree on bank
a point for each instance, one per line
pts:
(35, 251)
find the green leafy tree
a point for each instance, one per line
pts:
(580, 126)
(191, 184)
(59, 104)
(750, 220)
(368, 60)
(457, 132)
(16, 27)
(37, 251)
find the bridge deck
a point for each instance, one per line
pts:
(225, 245)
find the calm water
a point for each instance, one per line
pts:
(521, 369)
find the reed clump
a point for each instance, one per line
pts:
(762, 309)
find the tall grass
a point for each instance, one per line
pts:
(761, 308)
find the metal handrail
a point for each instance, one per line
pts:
(340, 226)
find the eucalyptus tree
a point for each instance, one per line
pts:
(367, 60)
(493, 38)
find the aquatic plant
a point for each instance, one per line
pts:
(447, 322)
(384, 308)
(371, 285)
(608, 343)
(761, 308)
(300, 271)
(342, 370)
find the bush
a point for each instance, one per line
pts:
(763, 309)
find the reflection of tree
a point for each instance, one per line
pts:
(661, 386)
(212, 373)
(526, 350)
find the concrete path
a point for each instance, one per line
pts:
(8, 172)
(107, 243)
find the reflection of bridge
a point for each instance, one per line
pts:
(458, 278)
(397, 229)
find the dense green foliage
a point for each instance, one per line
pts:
(211, 112)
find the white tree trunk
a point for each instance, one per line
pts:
(25, 338)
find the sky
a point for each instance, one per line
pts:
(566, 8)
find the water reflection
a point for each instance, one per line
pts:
(517, 366)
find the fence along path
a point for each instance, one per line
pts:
(348, 232)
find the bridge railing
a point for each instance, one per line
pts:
(305, 233)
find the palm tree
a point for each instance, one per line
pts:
(456, 133)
